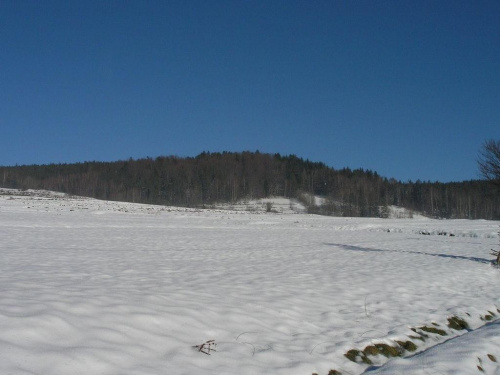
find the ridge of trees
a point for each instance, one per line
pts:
(211, 178)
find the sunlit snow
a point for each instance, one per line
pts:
(96, 287)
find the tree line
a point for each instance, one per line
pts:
(211, 178)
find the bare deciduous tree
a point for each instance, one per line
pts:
(489, 161)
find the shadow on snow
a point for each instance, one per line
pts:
(367, 249)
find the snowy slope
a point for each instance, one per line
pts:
(468, 354)
(94, 287)
(277, 205)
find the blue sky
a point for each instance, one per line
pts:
(410, 89)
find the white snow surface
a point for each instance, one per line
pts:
(277, 205)
(96, 287)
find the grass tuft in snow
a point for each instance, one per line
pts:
(407, 345)
(488, 317)
(457, 323)
(422, 337)
(380, 349)
(434, 330)
(384, 349)
(356, 356)
(334, 372)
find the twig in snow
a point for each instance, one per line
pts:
(206, 347)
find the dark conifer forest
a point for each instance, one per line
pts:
(211, 178)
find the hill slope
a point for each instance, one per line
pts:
(213, 178)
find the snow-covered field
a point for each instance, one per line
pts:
(94, 287)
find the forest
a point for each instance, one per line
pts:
(211, 178)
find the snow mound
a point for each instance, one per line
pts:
(472, 353)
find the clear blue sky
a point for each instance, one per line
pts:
(409, 89)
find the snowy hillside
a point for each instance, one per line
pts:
(95, 287)
(273, 204)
